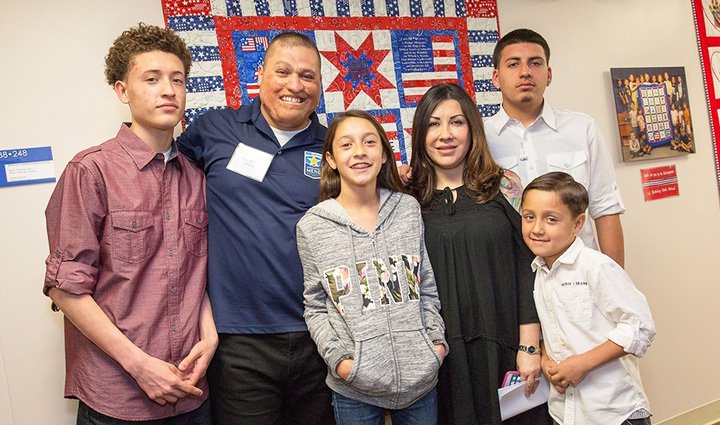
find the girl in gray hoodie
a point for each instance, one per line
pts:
(371, 304)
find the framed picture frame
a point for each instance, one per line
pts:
(707, 27)
(653, 112)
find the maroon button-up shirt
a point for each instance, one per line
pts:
(131, 230)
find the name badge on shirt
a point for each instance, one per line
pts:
(250, 162)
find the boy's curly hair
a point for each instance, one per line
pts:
(141, 39)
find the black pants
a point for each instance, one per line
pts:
(274, 379)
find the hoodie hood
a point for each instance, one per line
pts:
(330, 209)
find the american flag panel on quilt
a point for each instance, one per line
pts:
(380, 56)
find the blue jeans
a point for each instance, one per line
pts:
(353, 412)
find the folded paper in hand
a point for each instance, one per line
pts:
(513, 401)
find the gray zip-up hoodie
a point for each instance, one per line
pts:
(372, 297)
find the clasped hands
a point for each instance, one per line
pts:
(569, 372)
(165, 383)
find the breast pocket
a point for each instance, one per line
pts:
(577, 303)
(195, 232)
(131, 235)
(573, 163)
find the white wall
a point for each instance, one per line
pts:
(51, 83)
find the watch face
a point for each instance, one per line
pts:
(530, 349)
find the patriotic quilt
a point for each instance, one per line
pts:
(707, 29)
(380, 56)
(655, 103)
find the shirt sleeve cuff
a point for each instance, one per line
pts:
(629, 338)
(70, 276)
(609, 207)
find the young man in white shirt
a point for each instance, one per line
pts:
(595, 322)
(530, 138)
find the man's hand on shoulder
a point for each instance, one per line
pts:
(405, 173)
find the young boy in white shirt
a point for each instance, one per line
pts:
(591, 314)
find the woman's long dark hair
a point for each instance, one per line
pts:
(481, 175)
(330, 178)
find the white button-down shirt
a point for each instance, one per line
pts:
(558, 140)
(583, 301)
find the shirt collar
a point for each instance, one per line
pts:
(548, 115)
(498, 121)
(139, 151)
(254, 114)
(567, 257)
(501, 120)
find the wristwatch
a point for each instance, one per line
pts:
(530, 349)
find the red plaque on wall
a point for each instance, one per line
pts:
(659, 182)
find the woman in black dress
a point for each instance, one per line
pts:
(481, 264)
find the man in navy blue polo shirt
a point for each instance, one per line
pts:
(262, 164)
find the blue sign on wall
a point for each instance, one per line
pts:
(26, 166)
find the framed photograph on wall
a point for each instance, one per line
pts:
(653, 112)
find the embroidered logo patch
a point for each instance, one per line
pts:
(312, 164)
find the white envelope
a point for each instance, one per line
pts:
(513, 401)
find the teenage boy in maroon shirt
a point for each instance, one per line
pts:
(127, 228)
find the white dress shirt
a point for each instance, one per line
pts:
(558, 140)
(583, 301)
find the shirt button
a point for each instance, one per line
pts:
(134, 225)
(173, 290)
(174, 328)
(279, 152)
(170, 252)
(168, 216)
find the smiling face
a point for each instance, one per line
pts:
(357, 154)
(448, 137)
(289, 86)
(155, 91)
(548, 225)
(522, 75)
